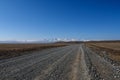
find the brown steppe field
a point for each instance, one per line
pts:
(96, 60)
(111, 48)
(13, 50)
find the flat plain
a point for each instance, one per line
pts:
(79, 61)
(13, 50)
(110, 49)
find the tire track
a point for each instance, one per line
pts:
(75, 62)
(33, 65)
(76, 67)
(50, 73)
(99, 68)
(83, 65)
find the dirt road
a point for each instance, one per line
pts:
(75, 62)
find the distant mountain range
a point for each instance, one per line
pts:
(55, 40)
(37, 41)
(24, 41)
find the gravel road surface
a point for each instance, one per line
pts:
(74, 62)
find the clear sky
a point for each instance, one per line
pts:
(47, 19)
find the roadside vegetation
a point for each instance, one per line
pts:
(13, 50)
(110, 50)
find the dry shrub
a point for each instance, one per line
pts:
(13, 50)
(110, 49)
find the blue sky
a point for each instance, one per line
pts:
(48, 19)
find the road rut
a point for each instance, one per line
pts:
(74, 62)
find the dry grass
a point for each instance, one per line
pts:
(112, 49)
(13, 50)
(113, 46)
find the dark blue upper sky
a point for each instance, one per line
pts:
(47, 19)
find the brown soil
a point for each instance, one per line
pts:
(13, 50)
(112, 49)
